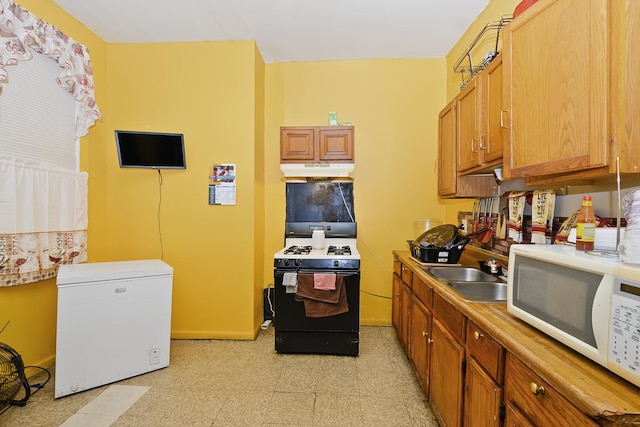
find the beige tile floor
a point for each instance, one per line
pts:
(245, 383)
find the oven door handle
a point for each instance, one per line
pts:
(344, 273)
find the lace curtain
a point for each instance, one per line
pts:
(43, 220)
(43, 208)
(21, 32)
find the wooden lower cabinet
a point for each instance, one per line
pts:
(536, 401)
(469, 377)
(405, 316)
(447, 357)
(396, 303)
(421, 320)
(482, 397)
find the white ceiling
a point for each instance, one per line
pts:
(288, 30)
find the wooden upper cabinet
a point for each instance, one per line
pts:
(479, 108)
(447, 173)
(450, 184)
(555, 90)
(317, 144)
(468, 120)
(625, 84)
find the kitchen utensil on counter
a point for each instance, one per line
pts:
(488, 223)
(471, 226)
(447, 254)
(480, 218)
(439, 236)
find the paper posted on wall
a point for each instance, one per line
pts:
(222, 184)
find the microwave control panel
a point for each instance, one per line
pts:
(624, 332)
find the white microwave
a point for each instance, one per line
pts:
(588, 302)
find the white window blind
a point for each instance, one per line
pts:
(37, 117)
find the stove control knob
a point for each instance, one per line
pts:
(286, 263)
(298, 262)
(336, 263)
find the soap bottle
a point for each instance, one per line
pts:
(586, 226)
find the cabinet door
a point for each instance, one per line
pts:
(446, 377)
(447, 175)
(297, 145)
(467, 124)
(491, 119)
(482, 397)
(625, 81)
(405, 319)
(421, 319)
(335, 145)
(396, 303)
(556, 76)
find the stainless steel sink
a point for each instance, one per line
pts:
(461, 274)
(481, 291)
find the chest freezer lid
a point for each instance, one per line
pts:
(69, 274)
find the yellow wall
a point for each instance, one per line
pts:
(31, 309)
(393, 105)
(207, 91)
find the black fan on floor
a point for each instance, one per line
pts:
(12, 378)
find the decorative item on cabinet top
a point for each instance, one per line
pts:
(467, 69)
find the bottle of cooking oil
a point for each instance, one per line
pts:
(586, 226)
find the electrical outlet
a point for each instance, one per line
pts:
(154, 356)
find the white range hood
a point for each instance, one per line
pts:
(317, 170)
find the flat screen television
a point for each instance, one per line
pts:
(150, 150)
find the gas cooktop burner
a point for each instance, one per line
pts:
(339, 250)
(297, 250)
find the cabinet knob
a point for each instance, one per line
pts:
(424, 334)
(477, 335)
(429, 341)
(397, 295)
(536, 389)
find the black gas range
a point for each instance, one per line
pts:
(298, 329)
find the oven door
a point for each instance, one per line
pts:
(290, 313)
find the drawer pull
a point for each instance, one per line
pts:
(477, 335)
(536, 389)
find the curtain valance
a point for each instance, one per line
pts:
(21, 32)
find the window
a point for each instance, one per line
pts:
(37, 116)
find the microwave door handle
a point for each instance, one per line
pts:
(601, 315)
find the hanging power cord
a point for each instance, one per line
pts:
(273, 312)
(344, 201)
(36, 386)
(159, 206)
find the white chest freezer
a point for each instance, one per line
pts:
(114, 322)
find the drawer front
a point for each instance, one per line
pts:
(538, 401)
(487, 351)
(449, 316)
(422, 290)
(407, 276)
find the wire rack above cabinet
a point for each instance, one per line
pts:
(464, 65)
